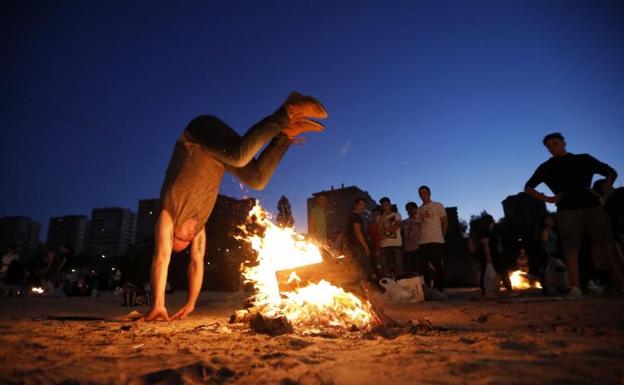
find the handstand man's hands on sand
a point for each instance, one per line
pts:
(165, 243)
(298, 109)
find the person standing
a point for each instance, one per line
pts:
(549, 237)
(374, 238)
(391, 243)
(433, 227)
(318, 219)
(411, 239)
(354, 236)
(10, 256)
(569, 177)
(548, 245)
(284, 213)
(487, 245)
(612, 199)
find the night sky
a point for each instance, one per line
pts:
(456, 95)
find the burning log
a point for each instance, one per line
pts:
(339, 272)
(296, 289)
(241, 316)
(271, 326)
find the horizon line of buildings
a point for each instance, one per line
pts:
(111, 231)
(115, 231)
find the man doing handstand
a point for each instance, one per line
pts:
(205, 150)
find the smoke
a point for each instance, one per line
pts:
(345, 149)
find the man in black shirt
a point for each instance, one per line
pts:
(569, 177)
(358, 247)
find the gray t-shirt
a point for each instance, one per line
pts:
(191, 184)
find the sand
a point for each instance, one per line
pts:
(468, 341)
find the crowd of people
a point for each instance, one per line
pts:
(589, 222)
(54, 272)
(48, 273)
(389, 246)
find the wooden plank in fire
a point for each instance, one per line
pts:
(341, 272)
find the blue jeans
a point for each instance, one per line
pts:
(392, 259)
(236, 152)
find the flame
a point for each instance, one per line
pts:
(521, 281)
(309, 308)
(37, 290)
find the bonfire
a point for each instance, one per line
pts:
(310, 307)
(522, 281)
(37, 290)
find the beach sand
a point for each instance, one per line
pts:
(464, 340)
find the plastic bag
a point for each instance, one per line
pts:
(394, 292)
(490, 278)
(415, 286)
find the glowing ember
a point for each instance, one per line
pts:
(37, 290)
(309, 308)
(521, 281)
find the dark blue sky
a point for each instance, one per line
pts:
(453, 94)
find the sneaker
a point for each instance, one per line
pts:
(574, 293)
(299, 106)
(299, 127)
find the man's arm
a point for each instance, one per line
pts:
(395, 226)
(609, 183)
(160, 264)
(533, 193)
(534, 181)
(605, 170)
(444, 222)
(195, 274)
(443, 217)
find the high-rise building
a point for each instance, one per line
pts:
(146, 218)
(69, 231)
(21, 232)
(111, 232)
(339, 206)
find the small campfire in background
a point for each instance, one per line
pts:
(522, 281)
(294, 284)
(37, 290)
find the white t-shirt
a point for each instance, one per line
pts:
(430, 216)
(390, 238)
